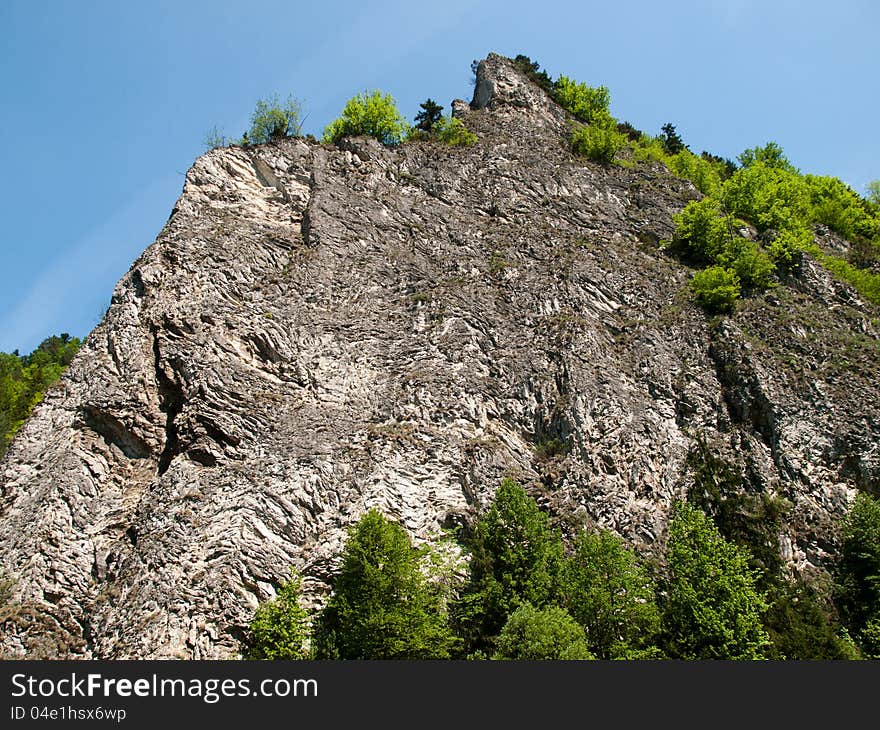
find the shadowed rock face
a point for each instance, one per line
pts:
(322, 329)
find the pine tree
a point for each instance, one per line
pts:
(429, 116)
(516, 559)
(672, 142)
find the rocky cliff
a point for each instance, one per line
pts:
(320, 329)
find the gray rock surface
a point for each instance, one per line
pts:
(322, 329)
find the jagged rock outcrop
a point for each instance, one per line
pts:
(320, 329)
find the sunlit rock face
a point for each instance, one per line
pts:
(320, 329)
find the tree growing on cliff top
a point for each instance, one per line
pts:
(273, 120)
(373, 114)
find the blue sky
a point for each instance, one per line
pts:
(105, 105)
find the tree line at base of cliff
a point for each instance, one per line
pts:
(510, 587)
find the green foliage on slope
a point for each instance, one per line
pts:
(769, 193)
(24, 380)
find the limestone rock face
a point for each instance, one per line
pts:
(320, 329)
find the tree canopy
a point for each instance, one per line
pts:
(24, 380)
(515, 558)
(713, 609)
(383, 605)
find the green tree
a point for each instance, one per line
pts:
(383, 605)
(587, 104)
(858, 570)
(716, 288)
(611, 596)
(452, 131)
(597, 143)
(372, 114)
(749, 519)
(515, 558)
(24, 380)
(280, 627)
(672, 141)
(430, 114)
(802, 627)
(532, 70)
(535, 634)
(872, 191)
(273, 120)
(770, 155)
(712, 608)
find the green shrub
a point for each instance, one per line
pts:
(215, 139)
(599, 144)
(768, 197)
(534, 634)
(273, 120)
(802, 627)
(712, 607)
(629, 131)
(702, 173)
(586, 103)
(841, 209)
(716, 288)
(865, 282)
(452, 131)
(550, 448)
(650, 149)
(280, 627)
(701, 233)
(787, 249)
(532, 70)
(858, 571)
(723, 166)
(372, 114)
(749, 262)
(24, 380)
